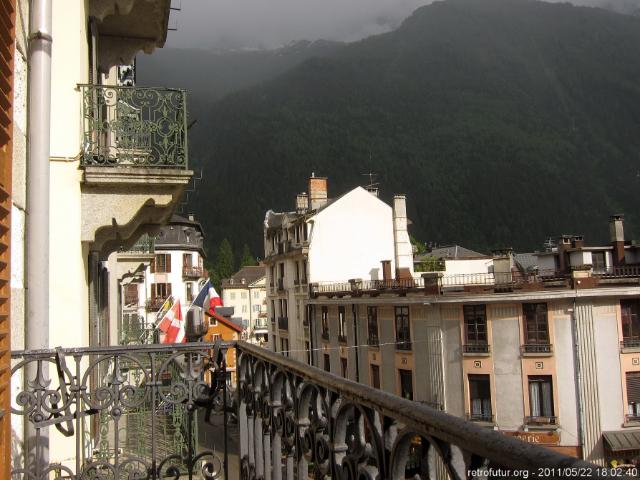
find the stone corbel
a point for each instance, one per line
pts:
(114, 51)
(100, 9)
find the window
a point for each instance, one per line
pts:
(161, 263)
(297, 272)
(187, 260)
(244, 309)
(215, 337)
(342, 325)
(375, 376)
(406, 384)
(633, 396)
(327, 362)
(598, 262)
(304, 271)
(541, 399)
(325, 323)
(343, 367)
(475, 324)
(160, 290)
(480, 398)
(256, 308)
(307, 347)
(131, 294)
(630, 310)
(536, 326)
(284, 344)
(243, 295)
(188, 294)
(372, 325)
(256, 294)
(403, 332)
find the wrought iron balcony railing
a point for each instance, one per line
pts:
(536, 349)
(134, 127)
(155, 303)
(189, 271)
(295, 421)
(486, 417)
(145, 245)
(630, 342)
(143, 397)
(476, 348)
(540, 420)
(300, 422)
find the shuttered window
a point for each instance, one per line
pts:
(633, 394)
(7, 49)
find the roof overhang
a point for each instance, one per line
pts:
(622, 440)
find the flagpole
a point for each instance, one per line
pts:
(156, 323)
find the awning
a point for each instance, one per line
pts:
(622, 440)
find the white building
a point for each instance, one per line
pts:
(88, 185)
(246, 292)
(310, 245)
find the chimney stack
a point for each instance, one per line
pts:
(402, 245)
(317, 192)
(302, 202)
(616, 231)
(191, 217)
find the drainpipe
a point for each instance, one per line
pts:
(577, 373)
(354, 310)
(37, 221)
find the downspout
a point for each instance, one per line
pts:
(354, 310)
(37, 221)
(578, 374)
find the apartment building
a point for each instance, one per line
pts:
(246, 292)
(106, 164)
(356, 235)
(548, 354)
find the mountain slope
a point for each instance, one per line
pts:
(502, 120)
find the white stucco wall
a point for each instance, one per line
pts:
(350, 238)
(466, 266)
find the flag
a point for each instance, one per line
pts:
(172, 325)
(164, 308)
(209, 297)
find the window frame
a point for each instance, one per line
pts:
(373, 335)
(405, 373)
(471, 315)
(543, 405)
(324, 322)
(479, 383)
(539, 320)
(403, 327)
(342, 324)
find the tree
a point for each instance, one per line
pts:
(247, 259)
(224, 263)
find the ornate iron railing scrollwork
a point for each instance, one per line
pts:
(71, 388)
(300, 422)
(134, 126)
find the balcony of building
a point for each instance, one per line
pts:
(191, 272)
(134, 157)
(261, 325)
(132, 412)
(155, 303)
(476, 349)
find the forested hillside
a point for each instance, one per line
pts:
(503, 121)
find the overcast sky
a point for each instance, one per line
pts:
(272, 23)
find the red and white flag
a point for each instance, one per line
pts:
(172, 325)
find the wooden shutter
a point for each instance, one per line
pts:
(153, 265)
(7, 49)
(633, 387)
(167, 263)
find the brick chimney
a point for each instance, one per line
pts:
(616, 233)
(317, 192)
(402, 245)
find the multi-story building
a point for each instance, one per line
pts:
(246, 292)
(355, 236)
(550, 355)
(166, 264)
(105, 164)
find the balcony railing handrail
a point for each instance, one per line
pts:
(417, 419)
(134, 126)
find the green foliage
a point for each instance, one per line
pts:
(419, 247)
(430, 264)
(503, 121)
(223, 266)
(247, 259)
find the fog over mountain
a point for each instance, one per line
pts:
(251, 24)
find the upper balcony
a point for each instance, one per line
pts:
(118, 412)
(191, 271)
(134, 156)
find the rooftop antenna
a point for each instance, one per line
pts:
(371, 187)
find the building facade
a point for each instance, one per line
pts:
(98, 172)
(246, 292)
(355, 236)
(550, 356)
